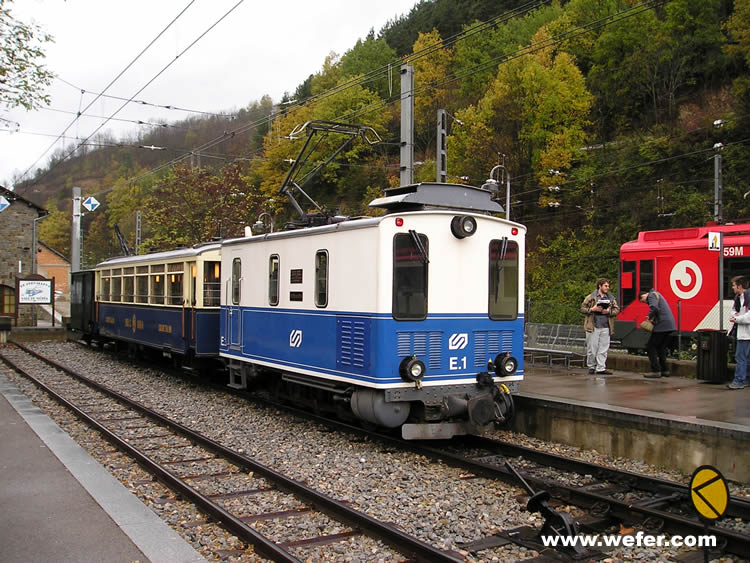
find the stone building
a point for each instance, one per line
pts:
(17, 228)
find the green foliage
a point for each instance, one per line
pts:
(54, 231)
(190, 206)
(535, 112)
(564, 269)
(369, 56)
(23, 79)
(482, 52)
(340, 184)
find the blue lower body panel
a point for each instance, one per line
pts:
(368, 349)
(165, 328)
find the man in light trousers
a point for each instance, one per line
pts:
(600, 309)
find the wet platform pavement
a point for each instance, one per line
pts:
(678, 423)
(60, 505)
(689, 399)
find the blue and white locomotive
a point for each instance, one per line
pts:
(413, 319)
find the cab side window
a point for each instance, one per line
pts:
(410, 269)
(503, 286)
(321, 278)
(236, 278)
(273, 280)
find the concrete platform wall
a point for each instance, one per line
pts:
(634, 434)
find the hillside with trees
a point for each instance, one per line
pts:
(607, 113)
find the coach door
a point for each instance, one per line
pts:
(234, 318)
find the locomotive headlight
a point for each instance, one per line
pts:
(411, 369)
(505, 365)
(463, 226)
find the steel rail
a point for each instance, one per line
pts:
(734, 542)
(262, 544)
(392, 536)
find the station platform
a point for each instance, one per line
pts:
(675, 422)
(60, 505)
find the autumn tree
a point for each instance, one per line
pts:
(478, 55)
(433, 87)
(535, 112)
(23, 78)
(54, 230)
(369, 60)
(739, 29)
(341, 184)
(190, 206)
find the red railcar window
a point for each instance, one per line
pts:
(627, 291)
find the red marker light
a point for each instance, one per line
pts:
(399, 222)
(514, 231)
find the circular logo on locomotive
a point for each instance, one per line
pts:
(686, 279)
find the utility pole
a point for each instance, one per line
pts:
(441, 154)
(407, 125)
(137, 231)
(75, 238)
(717, 186)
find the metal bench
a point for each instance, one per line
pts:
(565, 358)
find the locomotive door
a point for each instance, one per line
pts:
(234, 315)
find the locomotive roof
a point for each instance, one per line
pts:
(165, 256)
(427, 195)
(689, 237)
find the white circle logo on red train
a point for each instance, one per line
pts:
(686, 279)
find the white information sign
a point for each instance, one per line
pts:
(90, 203)
(35, 292)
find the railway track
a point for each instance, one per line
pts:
(607, 497)
(224, 484)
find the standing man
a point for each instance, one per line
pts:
(741, 319)
(661, 315)
(600, 309)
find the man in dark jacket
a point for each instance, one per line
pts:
(660, 314)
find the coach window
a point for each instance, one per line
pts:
(410, 261)
(116, 285)
(174, 283)
(128, 285)
(628, 290)
(273, 280)
(321, 278)
(211, 284)
(191, 296)
(7, 300)
(157, 284)
(503, 284)
(105, 285)
(141, 284)
(236, 280)
(646, 280)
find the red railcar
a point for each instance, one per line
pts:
(684, 266)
